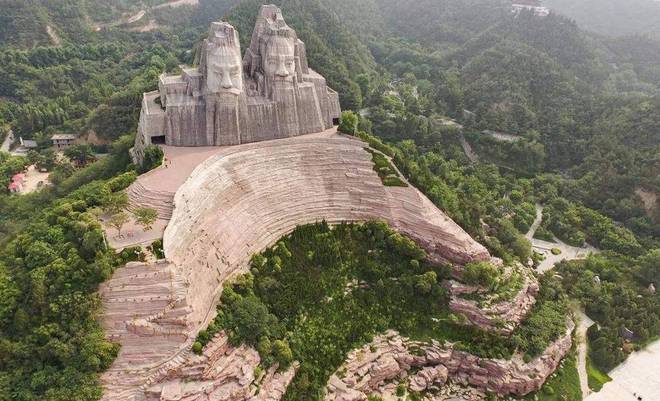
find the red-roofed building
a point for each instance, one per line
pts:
(16, 184)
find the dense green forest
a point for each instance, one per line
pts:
(586, 109)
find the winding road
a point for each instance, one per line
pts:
(568, 252)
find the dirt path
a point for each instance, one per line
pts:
(536, 224)
(177, 3)
(53, 36)
(474, 158)
(6, 144)
(140, 14)
(581, 334)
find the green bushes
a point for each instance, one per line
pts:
(132, 254)
(367, 278)
(157, 249)
(153, 157)
(483, 274)
(122, 181)
(386, 171)
(348, 123)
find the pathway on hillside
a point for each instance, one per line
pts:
(54, 37)
(126, 20)
(568, 252)
(583, 326)
(474, 158)
(6, 144)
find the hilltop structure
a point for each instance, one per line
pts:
(272, 93)
(222, 205)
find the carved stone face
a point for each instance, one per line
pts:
(279, 62)
(225, 73)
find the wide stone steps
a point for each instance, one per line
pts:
(241, 201)
(161, 201)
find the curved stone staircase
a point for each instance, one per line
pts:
(141, 196)
(235, 204)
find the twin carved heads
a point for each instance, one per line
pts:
(271, 57)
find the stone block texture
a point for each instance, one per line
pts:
(235, 204)
(271, 93)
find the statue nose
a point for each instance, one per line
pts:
(281, 70)
(226, 82)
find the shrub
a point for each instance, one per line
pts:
(481, 273)
(132, 254)
(348, 123)
(556, 251)
(197, 348)
(153, 157)
(157, 249)
(122, 182)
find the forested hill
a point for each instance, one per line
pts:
(579, 100)
(613, 17)
(584, 111)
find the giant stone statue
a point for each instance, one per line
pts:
(271, 93)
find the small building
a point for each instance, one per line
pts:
(530, 5)
(627, 334)
(26, 146)
(63, 141)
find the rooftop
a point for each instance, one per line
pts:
(63, 137)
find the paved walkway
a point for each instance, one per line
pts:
(639, 374)
(568, 252)
(584, 324)
(6, 144)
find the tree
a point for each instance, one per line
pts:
(153, 157)
(282, 353)
(348, 123)
(118, 221)
(145, 217)
(425, 282)
(116, 203)
(481, 273)
(81, 154)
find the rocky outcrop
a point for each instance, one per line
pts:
(223, 372)
(272, 93)
(235, 204)
(502, 317)
(390, 357)
(428, 377)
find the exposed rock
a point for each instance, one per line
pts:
(429, 376)
(440, 362)
(502, 317)
(271, 93)
(236, 204)
(221, 373)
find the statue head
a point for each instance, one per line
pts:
(278, 62)
(224, 70)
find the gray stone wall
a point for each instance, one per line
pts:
(272, 93)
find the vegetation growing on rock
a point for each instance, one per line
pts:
(367, 279)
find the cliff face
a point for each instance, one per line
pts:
(272, 93)
(236, 204)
